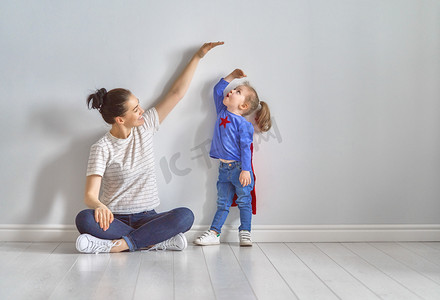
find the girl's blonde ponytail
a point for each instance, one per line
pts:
(262, 118)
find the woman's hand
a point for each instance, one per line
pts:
(206, 47)
(103, 216)
(245, 178)
(236, 74)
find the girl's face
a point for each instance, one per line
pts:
(236, 99)
(133, 115)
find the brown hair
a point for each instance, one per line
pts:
(110, 104)
(262, 117)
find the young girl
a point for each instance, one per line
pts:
(121, 189)
(231, 144)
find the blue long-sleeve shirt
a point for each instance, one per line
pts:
(233, 134)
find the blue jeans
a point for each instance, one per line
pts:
(228, 184)
(139, 230)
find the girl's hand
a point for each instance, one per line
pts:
(236, 74)
(103, 216)
(206, 47)
(245, 178)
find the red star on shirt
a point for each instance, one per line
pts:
(224, 121)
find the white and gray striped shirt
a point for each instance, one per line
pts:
(127, 168)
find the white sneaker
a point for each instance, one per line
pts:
(176, 243)
(209, 237)
(245, 238)
(87, 243)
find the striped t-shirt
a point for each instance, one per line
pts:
(127, 168)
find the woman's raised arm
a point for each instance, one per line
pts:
(180, 86)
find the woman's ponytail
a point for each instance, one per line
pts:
(262, 118)
(96, 100)
(110, 104)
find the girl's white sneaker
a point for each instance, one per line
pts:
(209, 237)
(245, 238)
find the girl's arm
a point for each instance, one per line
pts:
(246, 132)
(180, 86)
(103, 214)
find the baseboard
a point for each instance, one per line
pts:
(260, 233)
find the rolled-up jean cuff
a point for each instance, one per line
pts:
(129, 243)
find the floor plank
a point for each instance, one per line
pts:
(264, 279)
(340, 281)
(191, 275)
(435, 245)
(120, 277)
(429, 253)
(300, 278)
(25, 266)
(414, 281)
(227, 278)
(155, 278)
(411, 259)
(377, 281)
(42, 280)
(82, 279)
(11, 250)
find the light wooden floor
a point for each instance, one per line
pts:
(264, 271)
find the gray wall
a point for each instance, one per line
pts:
(353, 87)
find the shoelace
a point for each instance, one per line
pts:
(162, 246)
(206, 234)
(102, 246)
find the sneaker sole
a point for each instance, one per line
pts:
(246, 245)
(206, 244)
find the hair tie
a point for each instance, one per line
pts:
(259, 106)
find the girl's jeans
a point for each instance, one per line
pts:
(139, 230)
(228, 184)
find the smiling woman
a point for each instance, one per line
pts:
(121, 189)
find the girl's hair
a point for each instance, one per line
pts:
(110, 104)
(262, 118)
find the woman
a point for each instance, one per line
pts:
(122, 216)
